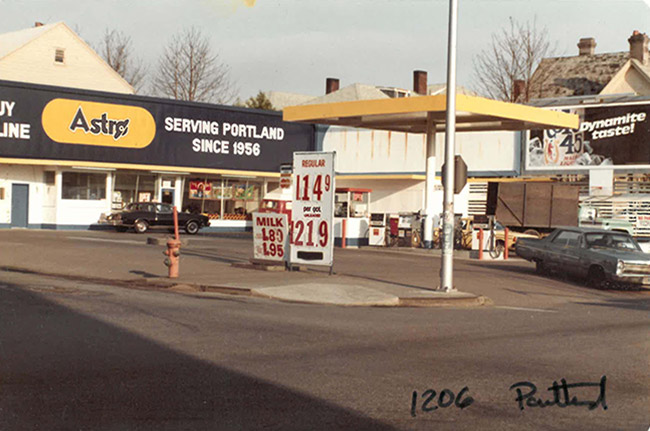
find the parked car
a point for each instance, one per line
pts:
(463, 236)
(601, 256)
(144, 215)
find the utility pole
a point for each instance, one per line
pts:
(447, 267)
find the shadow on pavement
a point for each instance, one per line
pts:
(626, 304)
(63, 370)
(144, 274)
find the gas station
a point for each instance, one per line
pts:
(429, 115)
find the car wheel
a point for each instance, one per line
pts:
(192, 227)
(141, 226)
(540, 267)
(596, 278)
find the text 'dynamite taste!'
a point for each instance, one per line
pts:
(313, 208)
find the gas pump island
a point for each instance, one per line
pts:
(428, 114)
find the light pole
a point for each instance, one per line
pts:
(447, 266)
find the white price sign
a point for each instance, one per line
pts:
(313, 208)
(270, 236)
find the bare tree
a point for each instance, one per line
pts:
(511, 61)
(117, 51)
(188, 69)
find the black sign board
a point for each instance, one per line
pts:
(43, 122)
(614, 136)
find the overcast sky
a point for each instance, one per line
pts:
(293, 45)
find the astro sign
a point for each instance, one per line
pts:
(53, 123)
(89, 123)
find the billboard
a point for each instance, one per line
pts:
(43, 122)
(609, 136)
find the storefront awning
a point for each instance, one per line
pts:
(409, 114)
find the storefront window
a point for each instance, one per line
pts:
(132, 187)
(228, 199)
(83, 186)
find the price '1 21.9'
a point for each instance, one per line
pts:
(304, 233)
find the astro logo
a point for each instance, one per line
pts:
(102, 125)
(69, 121)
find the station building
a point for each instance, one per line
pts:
(76, 144)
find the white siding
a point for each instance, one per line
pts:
(42, 201)
(377, 151)
(82, 68)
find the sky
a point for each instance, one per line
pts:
(294, 45)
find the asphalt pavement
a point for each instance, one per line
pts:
(107, 342)
(221, 264)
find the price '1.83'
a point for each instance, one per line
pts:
(322, 183)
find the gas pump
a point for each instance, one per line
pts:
(377, 235)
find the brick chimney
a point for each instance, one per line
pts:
(420, 82)
(331, 85)
(586, 46)
(518, 89)
(38, 24)
(639, 46)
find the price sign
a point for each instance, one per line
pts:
(313, 208)
(270, 236)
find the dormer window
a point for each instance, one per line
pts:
(59, 56)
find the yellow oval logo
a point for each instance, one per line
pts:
(69, 121)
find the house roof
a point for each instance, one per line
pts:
(349, 93)
(281, 99)
(9, 42)
(578, 75)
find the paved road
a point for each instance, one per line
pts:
(77, 355)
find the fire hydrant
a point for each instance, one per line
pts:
(173, 252)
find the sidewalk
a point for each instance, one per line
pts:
(209, 266)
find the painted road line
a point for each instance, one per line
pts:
(539, 310)
(118, 241)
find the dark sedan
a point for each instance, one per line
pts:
(603, 257)
(144, 215)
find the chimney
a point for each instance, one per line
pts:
(586, 46)
(331, 85)
(420, 82)
(38, 24)
(518, 89)
(639, 46)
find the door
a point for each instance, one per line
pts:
(19, 204)
(167, 196)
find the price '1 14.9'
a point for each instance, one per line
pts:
(322, 183)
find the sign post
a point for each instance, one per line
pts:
(313, 209)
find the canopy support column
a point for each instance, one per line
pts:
(429, 187)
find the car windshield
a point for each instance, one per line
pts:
(616, 241)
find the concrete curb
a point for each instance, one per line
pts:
(473, 301)
(371, 298)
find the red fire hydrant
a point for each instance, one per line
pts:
(173, 251)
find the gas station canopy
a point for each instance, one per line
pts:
(409, 114)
